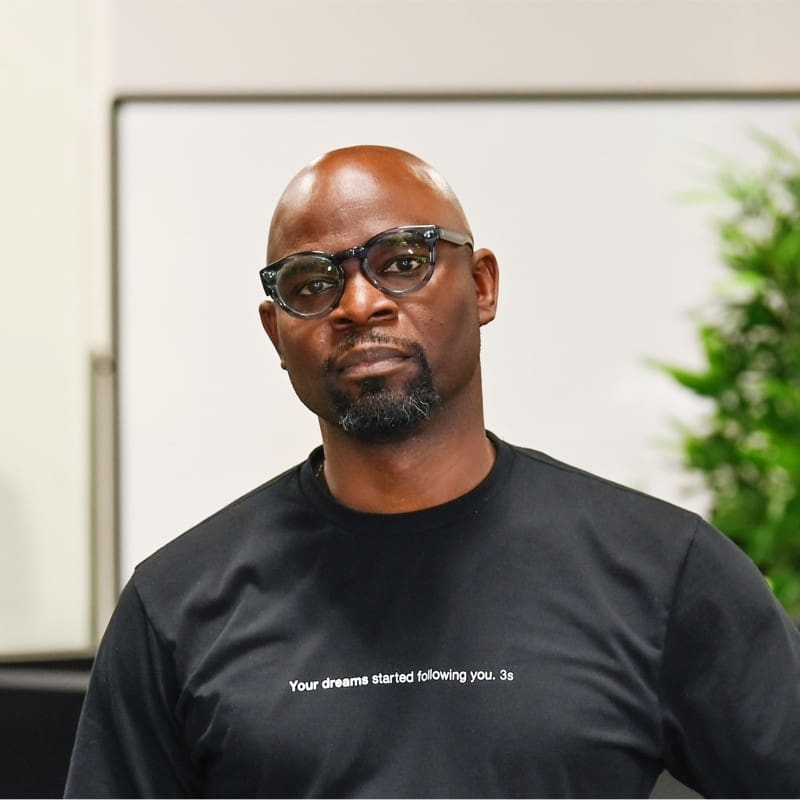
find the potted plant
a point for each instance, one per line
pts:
(748, 447)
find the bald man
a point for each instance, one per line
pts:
(393, 377)
(419, 608)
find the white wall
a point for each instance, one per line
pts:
(257, 46)
(44, 427)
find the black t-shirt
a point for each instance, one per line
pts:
(548, 634)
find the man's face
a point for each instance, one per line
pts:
(377, 366)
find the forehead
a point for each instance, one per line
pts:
(343, 205)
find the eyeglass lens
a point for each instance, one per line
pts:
(398, 263)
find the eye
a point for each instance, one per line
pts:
(405, 264)
(316, 286)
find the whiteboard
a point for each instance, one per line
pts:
(602, 265)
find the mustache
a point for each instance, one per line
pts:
(354, 339)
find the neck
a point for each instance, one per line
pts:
(437, 463)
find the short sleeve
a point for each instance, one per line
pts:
(128, 742)
(730, 678)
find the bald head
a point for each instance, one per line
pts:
(420, 345)
(348, 195)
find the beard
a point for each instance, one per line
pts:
(381, 413)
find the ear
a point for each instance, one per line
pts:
(268, 312)
(486, 275)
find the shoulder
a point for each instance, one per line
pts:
(697, 570)
(214, 558)
(575, 493)
(608, 535)
(231, 525)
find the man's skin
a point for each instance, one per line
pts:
(340, 201)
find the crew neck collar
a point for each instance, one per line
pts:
(438, 516)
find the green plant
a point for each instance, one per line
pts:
(748, 449)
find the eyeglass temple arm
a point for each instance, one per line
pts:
(454, 237)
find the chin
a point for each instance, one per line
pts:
(382, 414)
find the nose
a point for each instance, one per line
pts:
(361, 302)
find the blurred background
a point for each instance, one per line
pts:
(143, 147)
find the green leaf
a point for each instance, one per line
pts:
(747, 448)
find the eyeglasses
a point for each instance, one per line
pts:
(398, 261)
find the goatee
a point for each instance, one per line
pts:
(380, 413)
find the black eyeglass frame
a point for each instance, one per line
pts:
(431, 234)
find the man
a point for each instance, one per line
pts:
(421, 609)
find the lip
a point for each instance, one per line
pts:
(363, 361)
